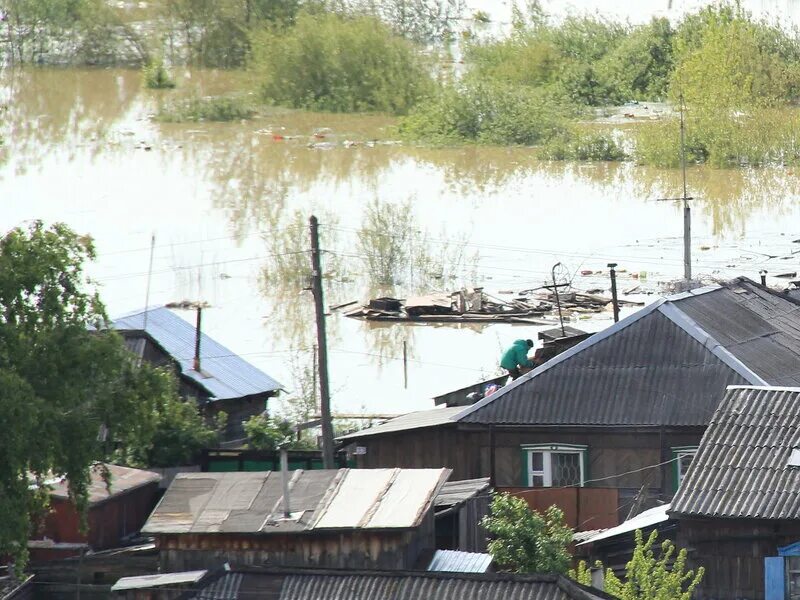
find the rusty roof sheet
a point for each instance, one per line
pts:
(123, 480)
(667, 364)
(251, 502)
(741, 468)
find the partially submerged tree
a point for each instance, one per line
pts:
(526, 541)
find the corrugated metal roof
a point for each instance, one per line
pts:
(741, 467)
(123, 479)
(667, 364)
(149, 581)
(456, 561)
(456, 492)
(224, 374)
(251, 502)
(647, 518)
(415, 420)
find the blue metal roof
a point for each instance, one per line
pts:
(224, 375)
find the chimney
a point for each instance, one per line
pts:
(763, 274)
(285, 481)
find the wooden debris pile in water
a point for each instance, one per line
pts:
(476, 306)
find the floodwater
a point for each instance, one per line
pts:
(80, 147)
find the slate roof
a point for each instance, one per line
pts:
(251, 502)
(667, 364)
(740, 469)
(454, 493)
(415, 420)
(123, 480)
(300, 584)
(225, 375)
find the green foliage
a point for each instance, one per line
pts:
(167, 431)
(583, 144)
(332, 63)
(651, 577)
(156, 76)
(582, 573)
(265, 433)
(525, 541)
(218, 108)
(423, 21)
(488, 113)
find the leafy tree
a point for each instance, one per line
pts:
(267, 433)
(525, 541)
(328, 62)
(648, 577)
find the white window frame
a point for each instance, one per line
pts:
(546, 450)
(679, 453)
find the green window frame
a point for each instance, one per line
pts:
(540, 464)
(680, 464)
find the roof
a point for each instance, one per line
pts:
(415, 420)
(456, 561)
(224, 375)
(741, 467)
(667, 364)
(123, 480)
(644, 519)
(454, 493)
(251, 502)
(302, 584)
(150, 581)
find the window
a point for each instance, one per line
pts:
(554, 465)
(683, 458)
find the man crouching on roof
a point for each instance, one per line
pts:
(515, 359)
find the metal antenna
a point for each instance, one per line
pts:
(149, 278)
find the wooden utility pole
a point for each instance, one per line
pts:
(687, 210)
(614, 300)
(322, 347)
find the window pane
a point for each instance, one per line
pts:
(566, 468)
(537, 481)
(536, 461)
(684, 461)
(793, 576)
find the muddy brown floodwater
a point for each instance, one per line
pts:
(80, 147)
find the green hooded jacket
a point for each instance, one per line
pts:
(516, 356)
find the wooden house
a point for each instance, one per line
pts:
(116, 513)
(209, 373)
(234, 583)
(346, 518)
(738, 511)
(612, 423)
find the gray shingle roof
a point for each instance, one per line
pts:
(399, 585)
(225, 375)
(740, 469)
(667, 364)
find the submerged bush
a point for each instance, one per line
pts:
(222, 108)
(156, 76)
(585, 145)
(492, 114)
(338, 64)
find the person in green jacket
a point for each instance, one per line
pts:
(516, 357)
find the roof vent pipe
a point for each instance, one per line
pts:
(285, 481)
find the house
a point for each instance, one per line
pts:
(209, 373)
(614, 421)
(234, 583)
(345, 518)
(738, 510)
(116, 513)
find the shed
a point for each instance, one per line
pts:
(346, 518)
(739, 506)
(116, 513)
(460, 507)
(225, 382)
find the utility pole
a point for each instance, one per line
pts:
(322, 346)
(687, 210)
(614, 301)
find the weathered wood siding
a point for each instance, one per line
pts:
(361, 549)
(732, 552)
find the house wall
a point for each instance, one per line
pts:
(732, 552)
(238, 411)
(359, 549)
